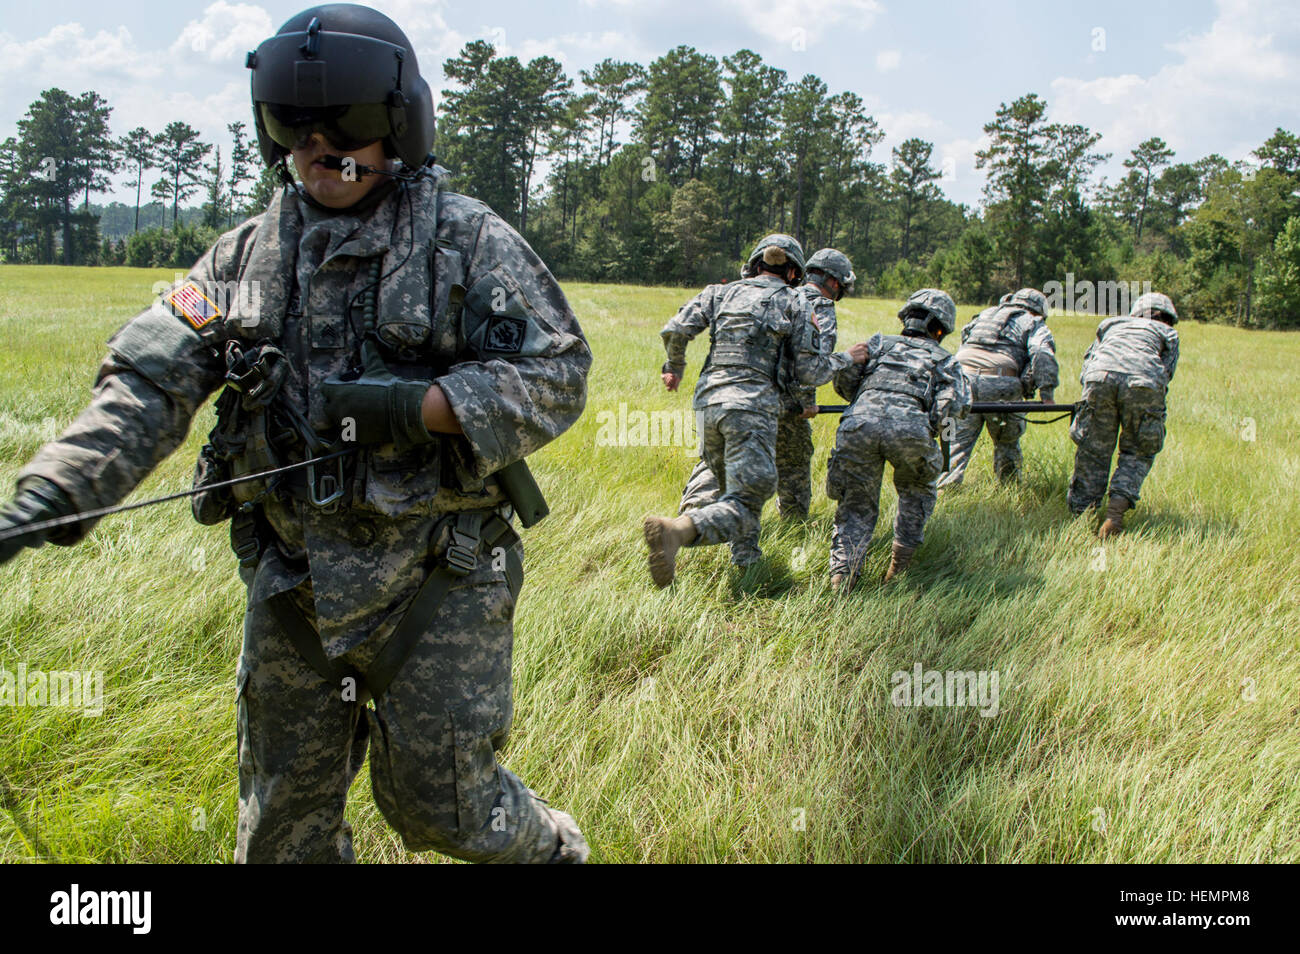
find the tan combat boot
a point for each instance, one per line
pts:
(841, 583)
(1114, 522)
(899, 559)
(664, 537)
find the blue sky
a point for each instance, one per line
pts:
(1206, 75)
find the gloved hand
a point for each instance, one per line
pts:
(38, 499)
(384, 408)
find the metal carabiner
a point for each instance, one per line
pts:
(326, 491)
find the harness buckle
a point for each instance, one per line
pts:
(462, 549)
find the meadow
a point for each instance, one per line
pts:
(1149, 689)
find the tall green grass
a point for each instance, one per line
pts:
(1148, 708)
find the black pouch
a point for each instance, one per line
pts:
(211, 507)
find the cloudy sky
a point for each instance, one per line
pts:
(1206, 75)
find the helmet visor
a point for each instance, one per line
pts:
(346, 128)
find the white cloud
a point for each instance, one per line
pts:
(68, 53)
(1234, 82)
(582, 47)
(226, 31)
(888, 60)
(779, 20)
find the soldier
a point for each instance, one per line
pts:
(1126, 373)
(829, 277)
(757, 327)
(1007, 353)
(415, 328)
(897, 402)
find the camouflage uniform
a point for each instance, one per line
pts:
(759, 328)
(1007, 354)
(512, 362)
(794, 443)
(1126, 374)
(898, 400)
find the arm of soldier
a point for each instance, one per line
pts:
(158, 372)
(812, 368)
(692, 319)
(847, 380)
(1043, 368)
(525, 380)
(827, 325)
(952, 395)
(1170, 356)
(1092, 349)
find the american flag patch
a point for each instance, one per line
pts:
(190, 303)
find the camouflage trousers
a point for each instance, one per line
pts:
(432, 735)
(1111, 408)
(853, 477)
(739, 445)
(1005, 429)
(794, 450)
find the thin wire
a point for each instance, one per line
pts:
(22, 531)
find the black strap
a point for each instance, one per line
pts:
(470, 533)
(306, 640)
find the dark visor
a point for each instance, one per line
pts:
(346, 128)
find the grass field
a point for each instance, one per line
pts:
(1148, 703)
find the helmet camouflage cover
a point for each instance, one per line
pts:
(775, 249)
(932, 303)
(1031, 299)
(835, 264)
(1154, 301)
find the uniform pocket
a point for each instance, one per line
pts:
(1082, 421)
(244, 741)
(476, 727)
(1151, 433)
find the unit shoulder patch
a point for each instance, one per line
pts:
(505, 335)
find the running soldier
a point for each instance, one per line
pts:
(829, 278)
(1007, 353)
(756, 326)
(897, 400)
(1125, 377)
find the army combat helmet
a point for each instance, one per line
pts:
(1156, 304)
(835, 264)
(1030, 299)
(775, 250)
(926, 305)
(347, 72)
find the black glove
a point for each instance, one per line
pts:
(384, 408)
(38, 499)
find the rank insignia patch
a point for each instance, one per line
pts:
(189, 302)
(505, 335)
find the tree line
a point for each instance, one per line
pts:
(667, 173)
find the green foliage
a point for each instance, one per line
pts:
(1278, 278)
(667, 172)
(180, 157)
(180, 247)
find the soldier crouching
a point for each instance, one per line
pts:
(898, 401)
